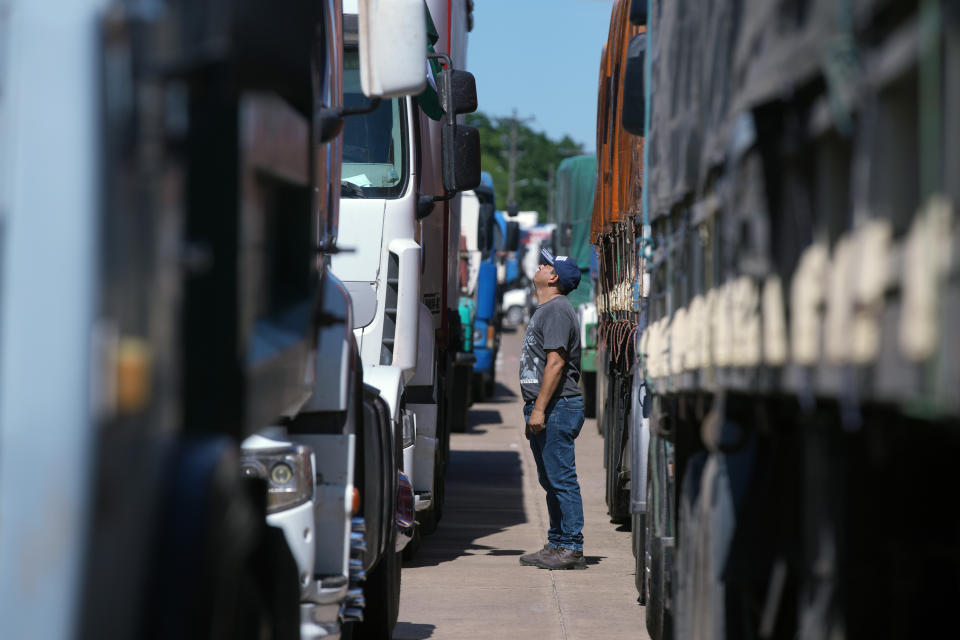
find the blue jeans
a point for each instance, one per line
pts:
(553, 449)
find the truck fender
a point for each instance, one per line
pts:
(388, 380)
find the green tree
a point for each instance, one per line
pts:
(539, 156)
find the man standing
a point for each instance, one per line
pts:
(553, 409)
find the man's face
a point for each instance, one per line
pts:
(545, 273)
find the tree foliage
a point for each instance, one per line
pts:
(537, 155)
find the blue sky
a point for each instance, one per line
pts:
(542, 57)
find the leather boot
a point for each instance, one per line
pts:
(533, 559)
(562, 559)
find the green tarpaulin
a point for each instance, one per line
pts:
(573, 209)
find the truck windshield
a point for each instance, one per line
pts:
(374, 147)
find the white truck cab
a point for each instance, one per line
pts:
(399, 239)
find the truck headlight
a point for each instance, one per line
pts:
(288, 473)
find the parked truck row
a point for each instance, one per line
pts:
(489, 247)
(228, 301)
(775, 222)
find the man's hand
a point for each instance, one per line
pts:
(537, 421)
(552, 373)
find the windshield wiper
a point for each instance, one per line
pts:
(350, 189)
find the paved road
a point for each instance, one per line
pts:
(467, 582)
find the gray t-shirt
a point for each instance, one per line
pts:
(554, 325)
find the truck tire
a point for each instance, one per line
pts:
(463, 377)
(427, 521)
(638, 533)
(617, 418)
(478, 388)
(410, 551)
(589, 389)
(490, 384)
(382, 593)
(659, 619)
(515, 316)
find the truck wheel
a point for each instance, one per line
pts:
(461, 400)
(478, 388)
(410, 551)
(427, 521)
(515, 316)
(382, 593)
(490, 385)
(589, 394)
(638, 533)
(659, 619)
(617, 446)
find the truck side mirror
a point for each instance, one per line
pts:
(513, 209)
(513, 236)
(393, 47)
(638, 13)
(458, 91)
(633, 114)
(461, 157)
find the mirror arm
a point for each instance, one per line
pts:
(329, 122)
(449, 196)
(370, 107)
(442, 56)
(425, 204)
(444, 79)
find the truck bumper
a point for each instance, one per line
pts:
(319, 621)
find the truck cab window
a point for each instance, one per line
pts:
(374, 157)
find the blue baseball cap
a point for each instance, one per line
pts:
(568, 273)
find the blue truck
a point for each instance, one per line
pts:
(497, 240)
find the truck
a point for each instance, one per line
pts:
(791, 268)
(496, 237)
(486, 334)
(574, 195)
(614, 227)
(180, 307)
(399, 240)
(348, 534)
(471, 238)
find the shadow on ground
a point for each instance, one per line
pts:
(503, 392)
(478, 417)
(412, 631)
(484, 495)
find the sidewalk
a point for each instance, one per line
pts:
(467, 582)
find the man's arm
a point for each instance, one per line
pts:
(552, 376)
